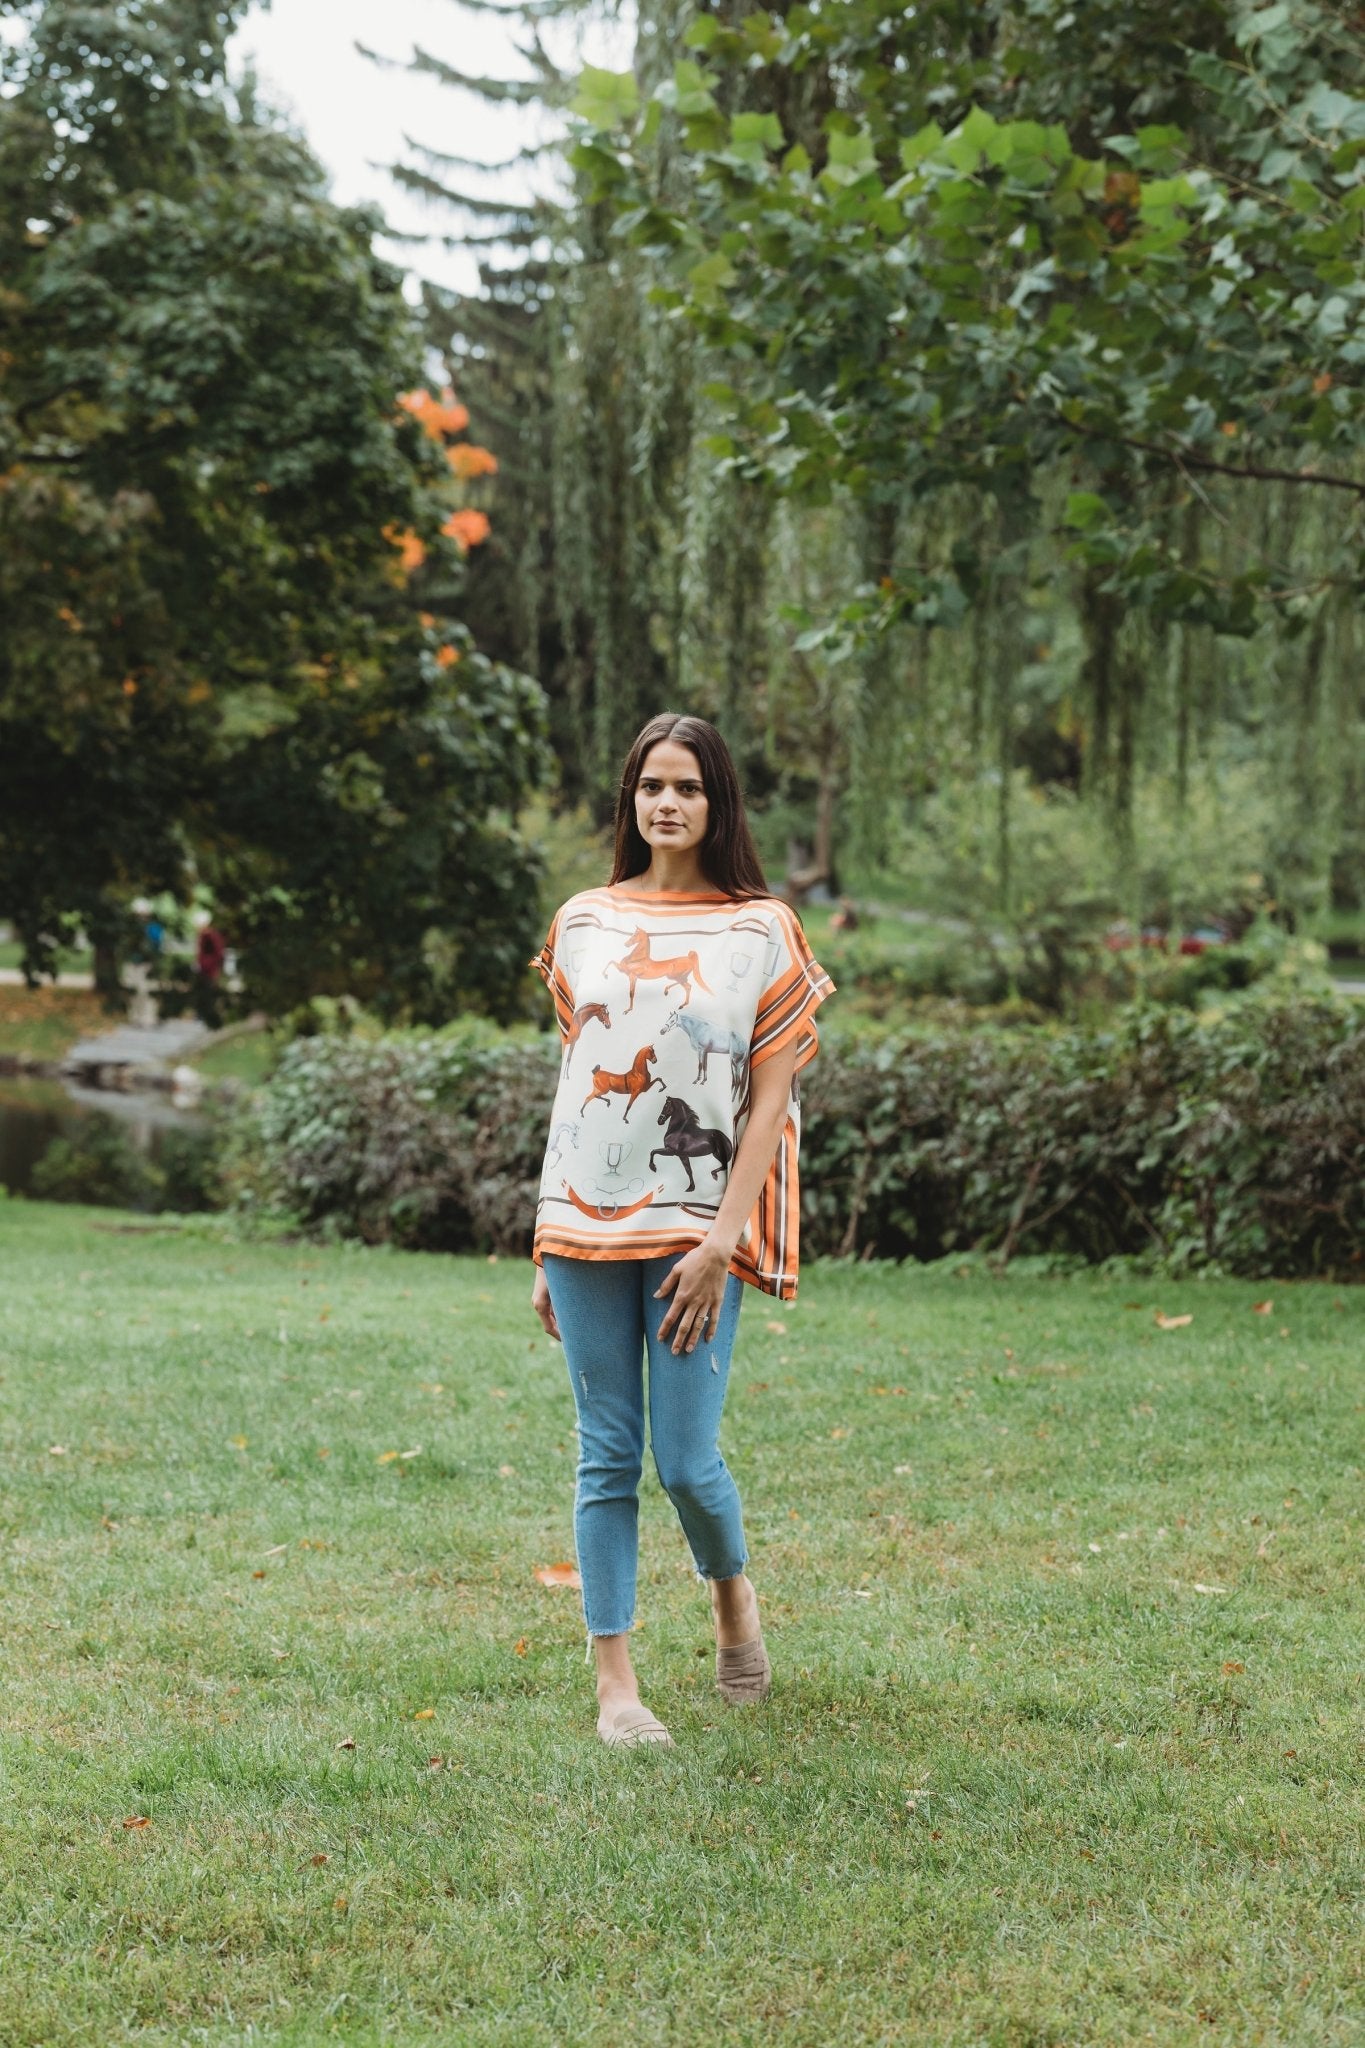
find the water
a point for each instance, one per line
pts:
(33, 1113)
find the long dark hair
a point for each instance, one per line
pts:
(729, 858)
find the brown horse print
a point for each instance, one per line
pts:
(687, 1140)
(635, 1082)
(636, 965)
(586, 1013)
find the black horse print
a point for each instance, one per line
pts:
(686, 1140)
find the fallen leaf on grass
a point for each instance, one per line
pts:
(316, 1861)
(777, 1329)
(274, 1550)
(507, 1471)
(557, 1575)
(1232, 1666)
(520, 1647)
(239, 1443)
(1200, 1587)
(388, 1457)
(259, 1575)
(338, 1905)
(1262, 1308)
(837, 1433)
(425, 1714)
(137, 1820)
(56, 1450)
(346, 1742)
(1164, 1322)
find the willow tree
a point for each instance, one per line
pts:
(973, 397)
(1134, 261)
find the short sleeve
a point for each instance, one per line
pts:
(794, 986)
(547, 965)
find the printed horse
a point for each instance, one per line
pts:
(705, 1038)
(558, 1135)
(635, 1082)
(686, 1139)
(584, 1014)
(636, 965)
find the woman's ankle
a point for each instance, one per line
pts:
(734, 1609)
(617, 1685)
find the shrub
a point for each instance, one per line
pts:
(1234, 1139)
(98, 1164)
(430, 1141)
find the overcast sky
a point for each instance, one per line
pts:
(355, 114)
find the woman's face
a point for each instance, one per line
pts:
(671, 809)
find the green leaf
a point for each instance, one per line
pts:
(605, 99)
(1084, 509)
(763, 129)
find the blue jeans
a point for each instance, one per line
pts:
(608, 1318)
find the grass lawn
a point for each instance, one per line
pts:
(45, 1022)
(1064, 1745)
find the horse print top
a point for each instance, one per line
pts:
(666, 1002)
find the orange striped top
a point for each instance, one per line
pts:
(665, 1004)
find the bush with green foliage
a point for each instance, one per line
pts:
(431, 1141)
(98, 1163)
(1232, 1139)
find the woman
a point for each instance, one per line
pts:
(685, 996)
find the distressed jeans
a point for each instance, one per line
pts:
(608, 1319)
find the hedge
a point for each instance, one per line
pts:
(1232, 1140)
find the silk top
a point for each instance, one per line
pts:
(666, 1002)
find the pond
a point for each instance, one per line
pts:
(33, 1113)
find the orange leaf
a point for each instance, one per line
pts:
(425, 1714)
(438, 416)
(411, 549)
(1232, 1666)
(447, 656)
(317, 1861)
(1323, 383)
(1262, 1308)
(468, 529)
(346, 1742)
(469, 461)
(137, 1820)
(520, 1647)
(1172, 1322)
(557, 1575)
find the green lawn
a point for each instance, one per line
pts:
(1064, 1745)
(44, 1023)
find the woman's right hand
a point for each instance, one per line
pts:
(543, 1306)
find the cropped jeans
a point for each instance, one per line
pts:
(608, 1319)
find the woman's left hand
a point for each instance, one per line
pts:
(697, 1284)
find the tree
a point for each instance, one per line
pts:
(230, 559)
(1001, 251)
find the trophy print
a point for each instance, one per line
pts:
(614, 1152)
